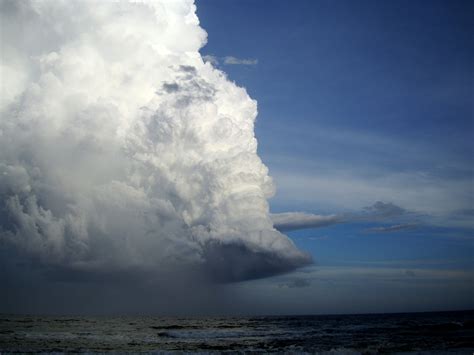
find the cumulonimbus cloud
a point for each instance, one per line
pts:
(120, 148)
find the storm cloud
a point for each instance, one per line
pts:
(122, 150)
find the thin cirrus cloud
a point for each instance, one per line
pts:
(392, 228)
(419, 175)
(435, 201)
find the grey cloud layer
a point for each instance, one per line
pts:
(377, 212)
(299, 220)
(122, 149)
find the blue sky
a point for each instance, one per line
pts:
(359, 102)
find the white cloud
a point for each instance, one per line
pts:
(121, 148)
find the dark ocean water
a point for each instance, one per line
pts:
(421, 333)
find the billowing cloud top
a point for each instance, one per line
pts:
(121, 148)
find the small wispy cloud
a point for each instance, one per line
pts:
(238, 61)
(229, 60)
(299, 220)
(211, 59)
(393, 228)
(322, 237)
(296, 283)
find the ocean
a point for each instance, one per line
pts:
(411, 333)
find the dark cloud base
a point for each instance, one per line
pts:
(231, 262)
